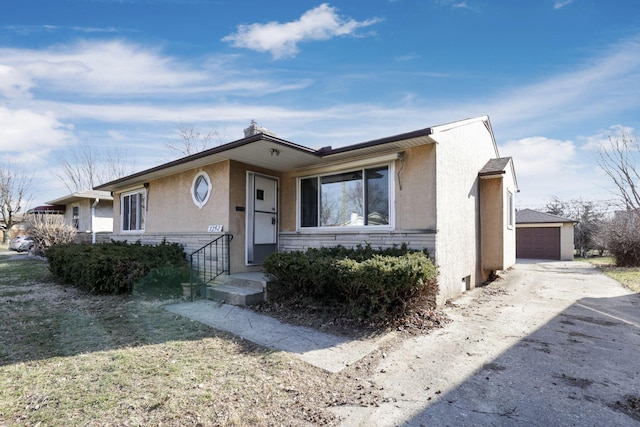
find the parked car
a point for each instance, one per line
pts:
(21, 244)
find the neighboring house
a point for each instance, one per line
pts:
(541, 235)
(18, 228)
(443, 188)
(90, 212)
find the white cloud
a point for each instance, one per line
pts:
(118, 68)
(408, 57)
(97, 29)
(541, 154)
(547, 168)
(282, 39)
(544, 167)
(559, 4)
(602, 139)
(13, 83)
(27, 135)
(100, 68)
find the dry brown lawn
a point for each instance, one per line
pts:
(68, 358)
(628, 276)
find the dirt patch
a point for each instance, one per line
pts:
(331, 320)
(630, 406)
(592, 320)
(582, 383)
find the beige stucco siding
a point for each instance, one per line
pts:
(288, 198)
(170, 206)
(415, 189)
(567, 248)
(493, 220)
(461, 152)
(498, 236)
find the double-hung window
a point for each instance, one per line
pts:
(132, 211)
(358, 197)
(510, 209)
(75, 217)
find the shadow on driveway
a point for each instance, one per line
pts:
(581, 368)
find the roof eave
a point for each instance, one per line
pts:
(199, 159)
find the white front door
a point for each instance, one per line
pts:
(262, 217)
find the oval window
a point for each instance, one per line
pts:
(201, 189)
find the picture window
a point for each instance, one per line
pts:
(355, 198)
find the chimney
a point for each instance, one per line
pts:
(254, 129)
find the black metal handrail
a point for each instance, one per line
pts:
(209, 262)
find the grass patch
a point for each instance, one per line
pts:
(628, 276)
(69, 358)
(24, 270)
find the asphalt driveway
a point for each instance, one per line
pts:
(550, 344)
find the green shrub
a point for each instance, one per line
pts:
(162, 282)
(111, 268)
(366, 283)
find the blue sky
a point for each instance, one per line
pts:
(556, 77)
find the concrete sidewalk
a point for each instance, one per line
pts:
(330, 352)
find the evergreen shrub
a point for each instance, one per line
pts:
(367, 284)
(111, 268)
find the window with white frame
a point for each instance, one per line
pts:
(132, 210)
(358, 197)
(75, 217)
(510, 209)
(201, 189)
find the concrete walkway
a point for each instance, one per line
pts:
(330, 352)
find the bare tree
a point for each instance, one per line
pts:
(621, 236)
(15, 193)
(85, 167)
(589, 220)
(556, 207)
(620, 161)
(49, 230)
(193, 141)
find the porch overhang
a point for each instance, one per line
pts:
(81, 195)
(272, 153)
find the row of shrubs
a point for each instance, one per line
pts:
(113, 268)
(368, 284)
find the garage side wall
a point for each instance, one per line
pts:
(566, 242)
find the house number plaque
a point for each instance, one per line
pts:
(215, 229)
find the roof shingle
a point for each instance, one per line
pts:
(529, 216)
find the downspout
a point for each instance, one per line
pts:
(93, 220)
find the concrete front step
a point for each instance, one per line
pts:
(239, 289)
(234, 295)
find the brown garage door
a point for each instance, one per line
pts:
(538, 242)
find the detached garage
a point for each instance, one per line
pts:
(540, 235)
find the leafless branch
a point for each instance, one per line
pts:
(620, 162)
(193, 141)
(85, 167)
(16, 187)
